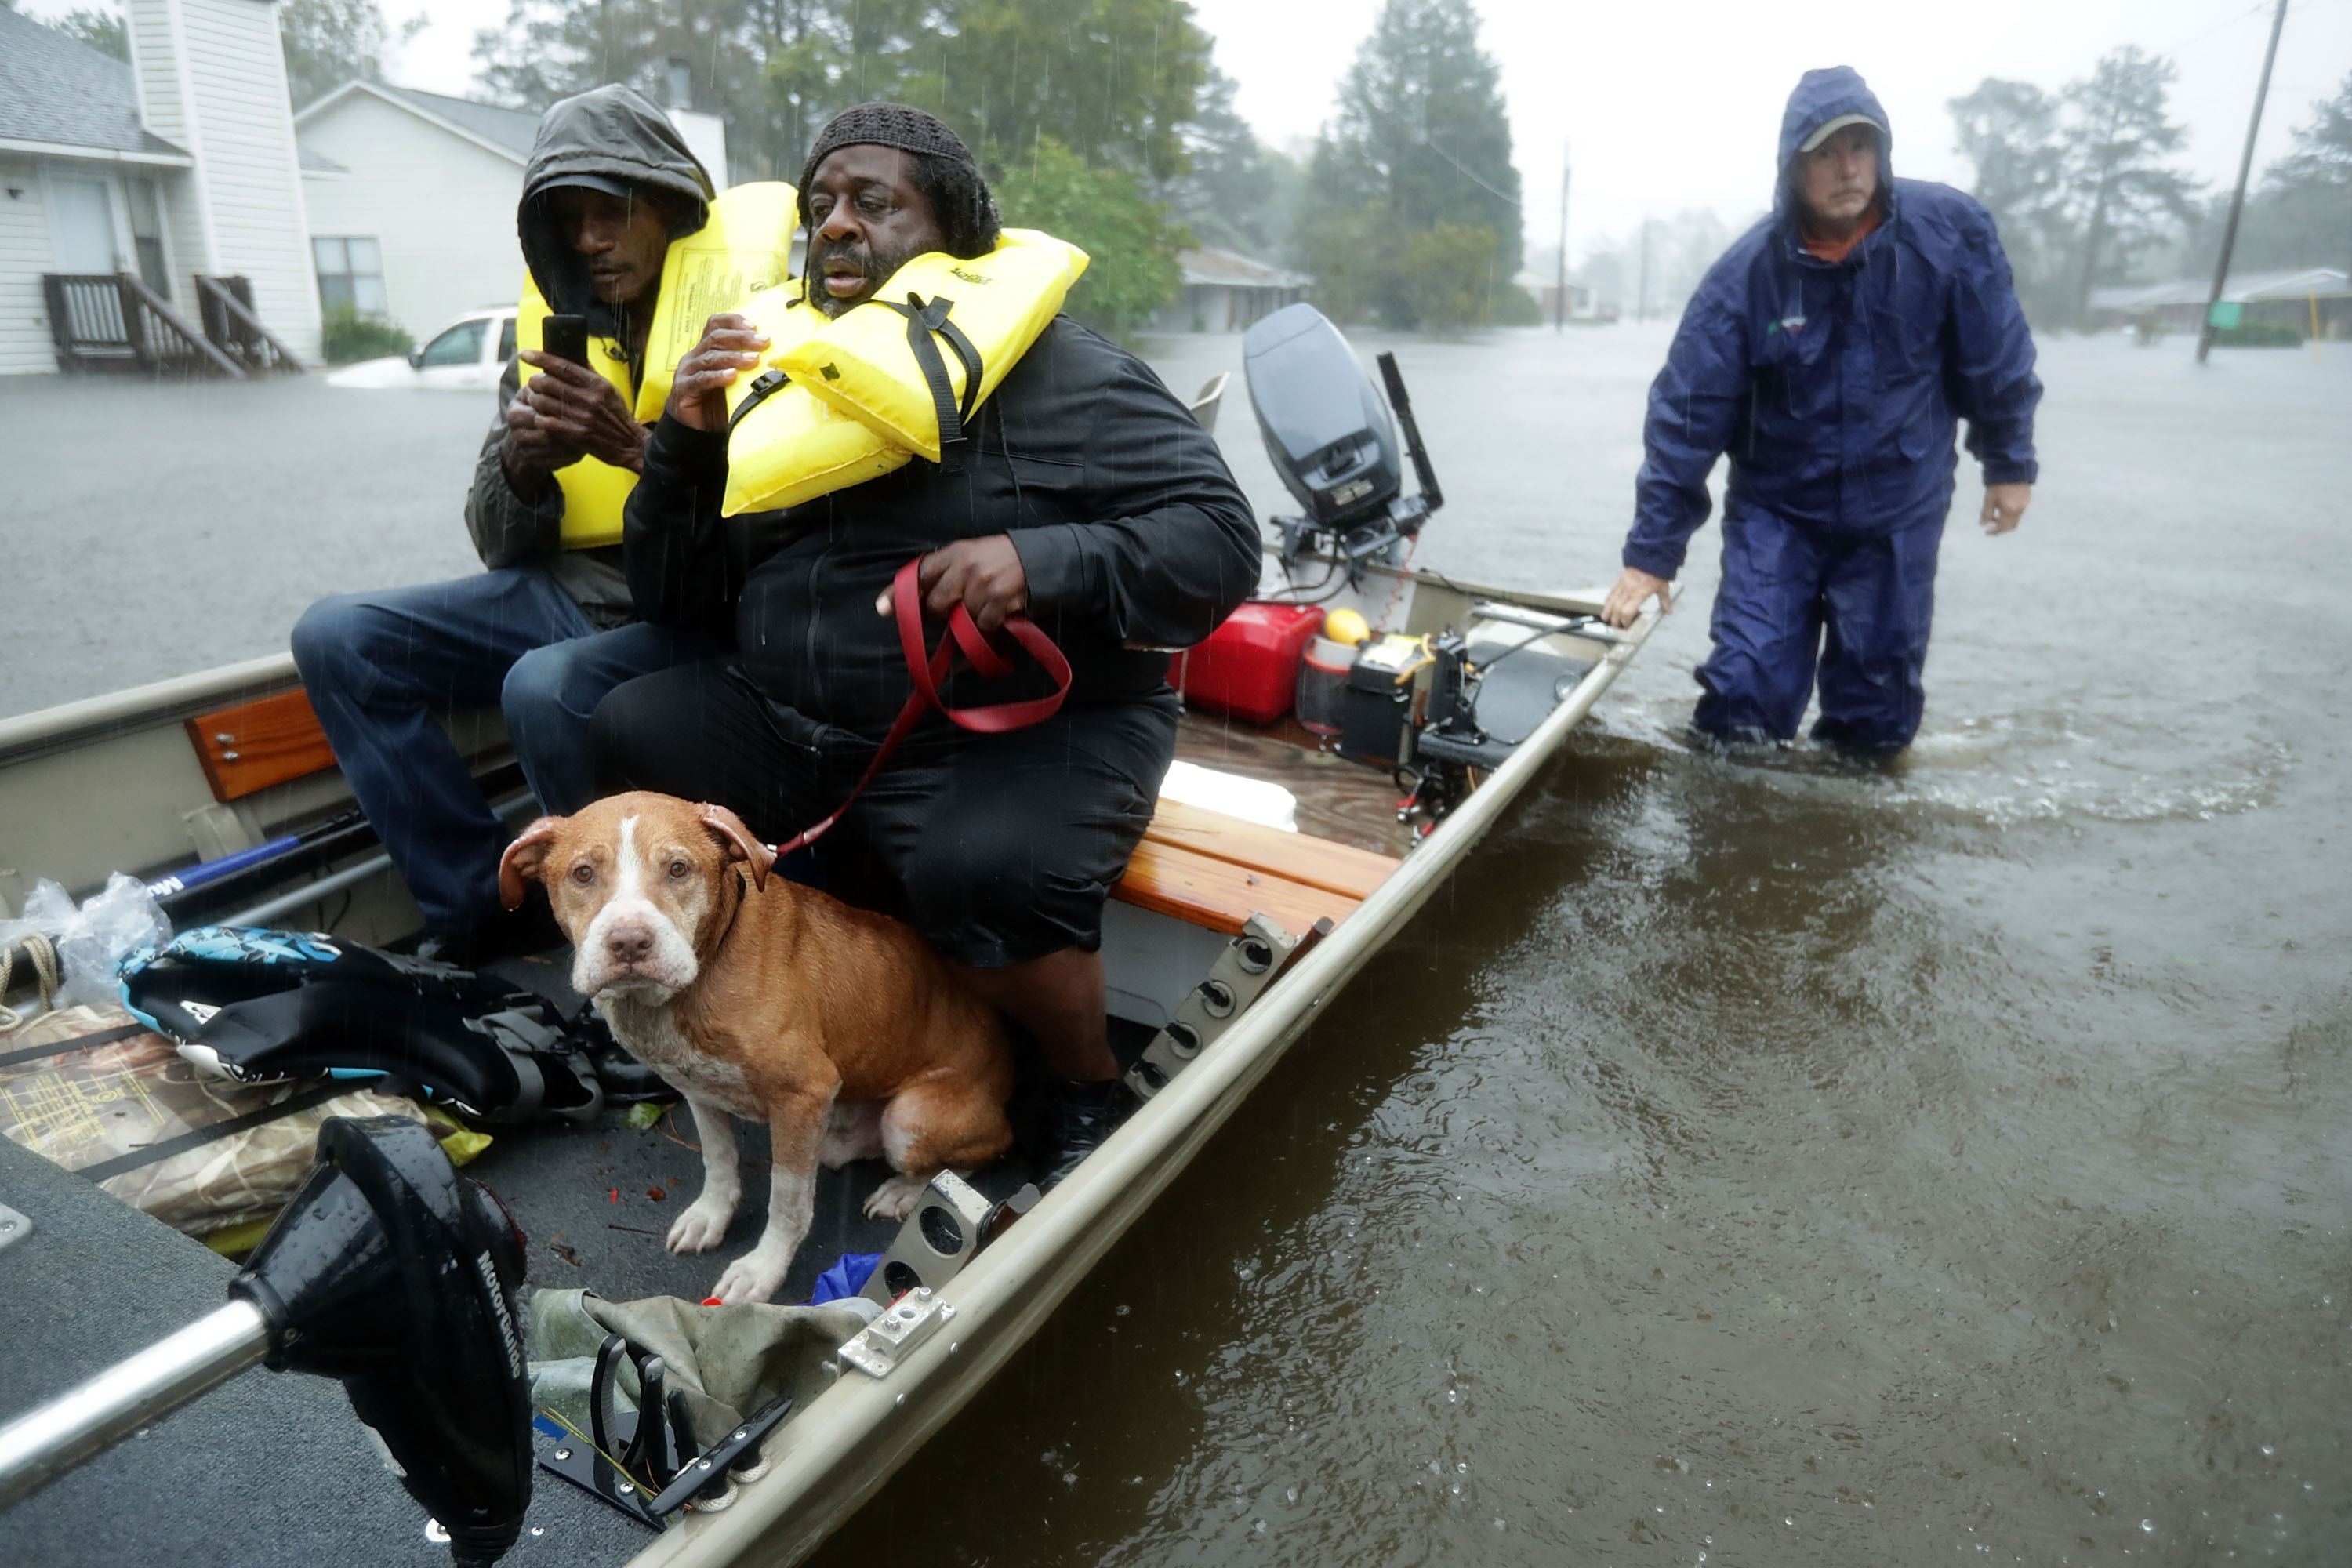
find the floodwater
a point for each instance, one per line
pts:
(1736, 1163)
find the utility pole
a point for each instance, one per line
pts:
(2238, 197)
(1642, 296)
(1559, 304)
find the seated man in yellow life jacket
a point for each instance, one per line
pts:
(1083, 495)
(549, 627)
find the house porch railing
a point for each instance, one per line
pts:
(114, 322)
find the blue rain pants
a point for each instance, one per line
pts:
(1794, 600)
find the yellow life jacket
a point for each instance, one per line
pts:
(790, 447)
(866, 391)
(745, 247)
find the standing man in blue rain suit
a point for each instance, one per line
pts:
(1831, 353)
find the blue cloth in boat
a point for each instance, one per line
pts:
(846, 1278)
(1836, 389)
(378, 665)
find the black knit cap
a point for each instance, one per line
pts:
(884, 125)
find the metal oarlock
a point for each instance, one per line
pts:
(1248, 966)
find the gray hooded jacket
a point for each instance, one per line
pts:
(612, 133)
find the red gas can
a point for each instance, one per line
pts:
(1249, 665)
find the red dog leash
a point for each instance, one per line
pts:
(928, 669)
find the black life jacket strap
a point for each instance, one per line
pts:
(766, 385)
(922, 322)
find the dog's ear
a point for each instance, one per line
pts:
(729, 830)
(523, 860)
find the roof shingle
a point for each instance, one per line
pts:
(58, 89)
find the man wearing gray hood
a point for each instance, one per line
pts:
(547, 630)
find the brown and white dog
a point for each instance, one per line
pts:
(841, 1028)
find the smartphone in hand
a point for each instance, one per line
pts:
(565, 337)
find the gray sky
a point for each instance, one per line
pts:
(1674, 103)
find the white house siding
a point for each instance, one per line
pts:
(248, 169)
(443, 208)
(155, 48)
(25, 255)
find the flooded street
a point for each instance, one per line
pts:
(1735, 1163)
(1774, 1165)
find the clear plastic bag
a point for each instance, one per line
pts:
(93, 940)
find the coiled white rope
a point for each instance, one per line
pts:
(44, 955)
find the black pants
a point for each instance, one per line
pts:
(999, 848)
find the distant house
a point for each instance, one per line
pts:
(412, 197)
(178, 165)
(1224, 292)
(2291, 299)
(1584, 302)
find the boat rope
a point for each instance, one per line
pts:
(43, 954)
(1397, 592)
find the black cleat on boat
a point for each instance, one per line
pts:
(1078, 1117)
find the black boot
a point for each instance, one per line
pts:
(509, 933)
(1078, 1117)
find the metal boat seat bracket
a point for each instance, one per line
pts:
(951, 1224)
(1248, 966)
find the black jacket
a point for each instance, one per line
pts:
(1132, 533)
(612, 132)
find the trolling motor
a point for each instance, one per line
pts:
(388, 1272)
(1330, 437)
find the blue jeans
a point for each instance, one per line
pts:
(1858, 606)
(377, 666)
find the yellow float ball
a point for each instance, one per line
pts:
(1346, 626)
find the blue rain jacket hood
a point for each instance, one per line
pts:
(1836, 388)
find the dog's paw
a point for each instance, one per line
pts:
(700, 1228)
(896, 1198)
(751, 1278)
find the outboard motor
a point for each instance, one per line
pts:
(1330, 437)
(389, 1272)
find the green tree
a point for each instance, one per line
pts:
(2302, 216)
(1422, 133)
(330, 42)
(1112, 79)
(2124, 196)
(1448, 276)
(102, 30)
(1237, 193)
(2009, 130)
(1103, 211)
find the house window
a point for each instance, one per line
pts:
(351, 272)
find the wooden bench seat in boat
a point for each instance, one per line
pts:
(1198, 866)
(1214, 871)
